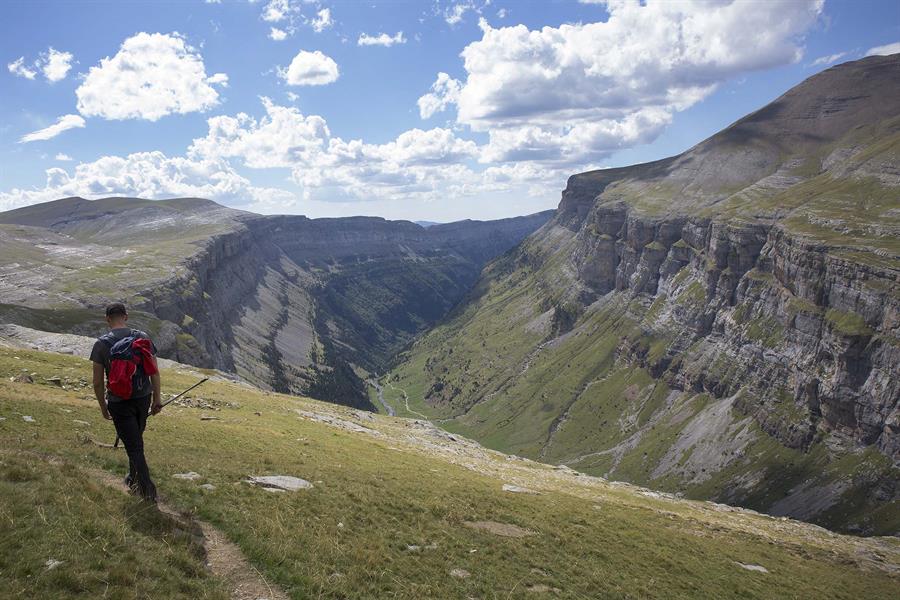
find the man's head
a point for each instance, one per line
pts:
(116, 315)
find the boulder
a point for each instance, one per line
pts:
(285, 483)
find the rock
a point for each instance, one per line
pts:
(52, 563)
(28, 418)
(758, 568)
(190, 476)
(363, 416)
(335, 422)
(459, 573)
(208, 487)
(23, 378)
(515, 489)
(80, 422)
(501, 529)
(209, 418)
(54, 380)
(540, 588)
(284, 483)
(418, 548)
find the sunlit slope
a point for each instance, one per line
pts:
(387, 515)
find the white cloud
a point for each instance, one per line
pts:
(577, 92)
(53, 64)
(827, 60)
(18, 68)
(885, 50)
(152, 75)
(282, 138)
(444, 92)
(277, 10)
(416, 162)
(277, 34)
(322, 20)
(146, 175)
(218, 79)
(454, 15)
(56, 64)
(382, 39)
(63, 157)
(64, 123)
(310, 68)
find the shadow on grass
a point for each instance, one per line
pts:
(147, 519)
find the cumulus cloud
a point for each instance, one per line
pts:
(53, 64)
(577, 92)
(885, 50)
(277, 34)
(382, 39)
(152, 75)
(64, 123)
(415, 162)
(444, 92)
(282, 138)
(321, 21)
(63, 157)
(146, 175)
(310, 68)
(56, 64)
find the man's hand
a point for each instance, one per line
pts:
(156, 406)
(105, 412)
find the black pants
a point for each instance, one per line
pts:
(130, 419)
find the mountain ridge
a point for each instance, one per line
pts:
(224, 288)
(722, 323)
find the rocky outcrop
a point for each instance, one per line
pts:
(812, 330)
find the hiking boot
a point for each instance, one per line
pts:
(130, 484)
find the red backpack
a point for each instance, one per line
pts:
(130, 366)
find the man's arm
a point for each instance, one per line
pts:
(156, 405)
(100, 390)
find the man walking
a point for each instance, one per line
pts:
(127, 359)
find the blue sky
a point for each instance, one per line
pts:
(436, 110)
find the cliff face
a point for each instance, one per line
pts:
(289, 303)
(723, 323)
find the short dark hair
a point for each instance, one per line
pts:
(116, 308)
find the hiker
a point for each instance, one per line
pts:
(127, 359)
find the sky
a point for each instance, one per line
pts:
(432, 110)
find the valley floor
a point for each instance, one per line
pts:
(397, 509)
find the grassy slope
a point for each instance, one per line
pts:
(388, 491)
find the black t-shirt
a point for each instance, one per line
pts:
(100, 354)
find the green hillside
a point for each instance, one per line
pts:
(377, 521)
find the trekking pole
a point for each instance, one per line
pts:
(169, 401)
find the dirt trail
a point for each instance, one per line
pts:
(224, 558)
